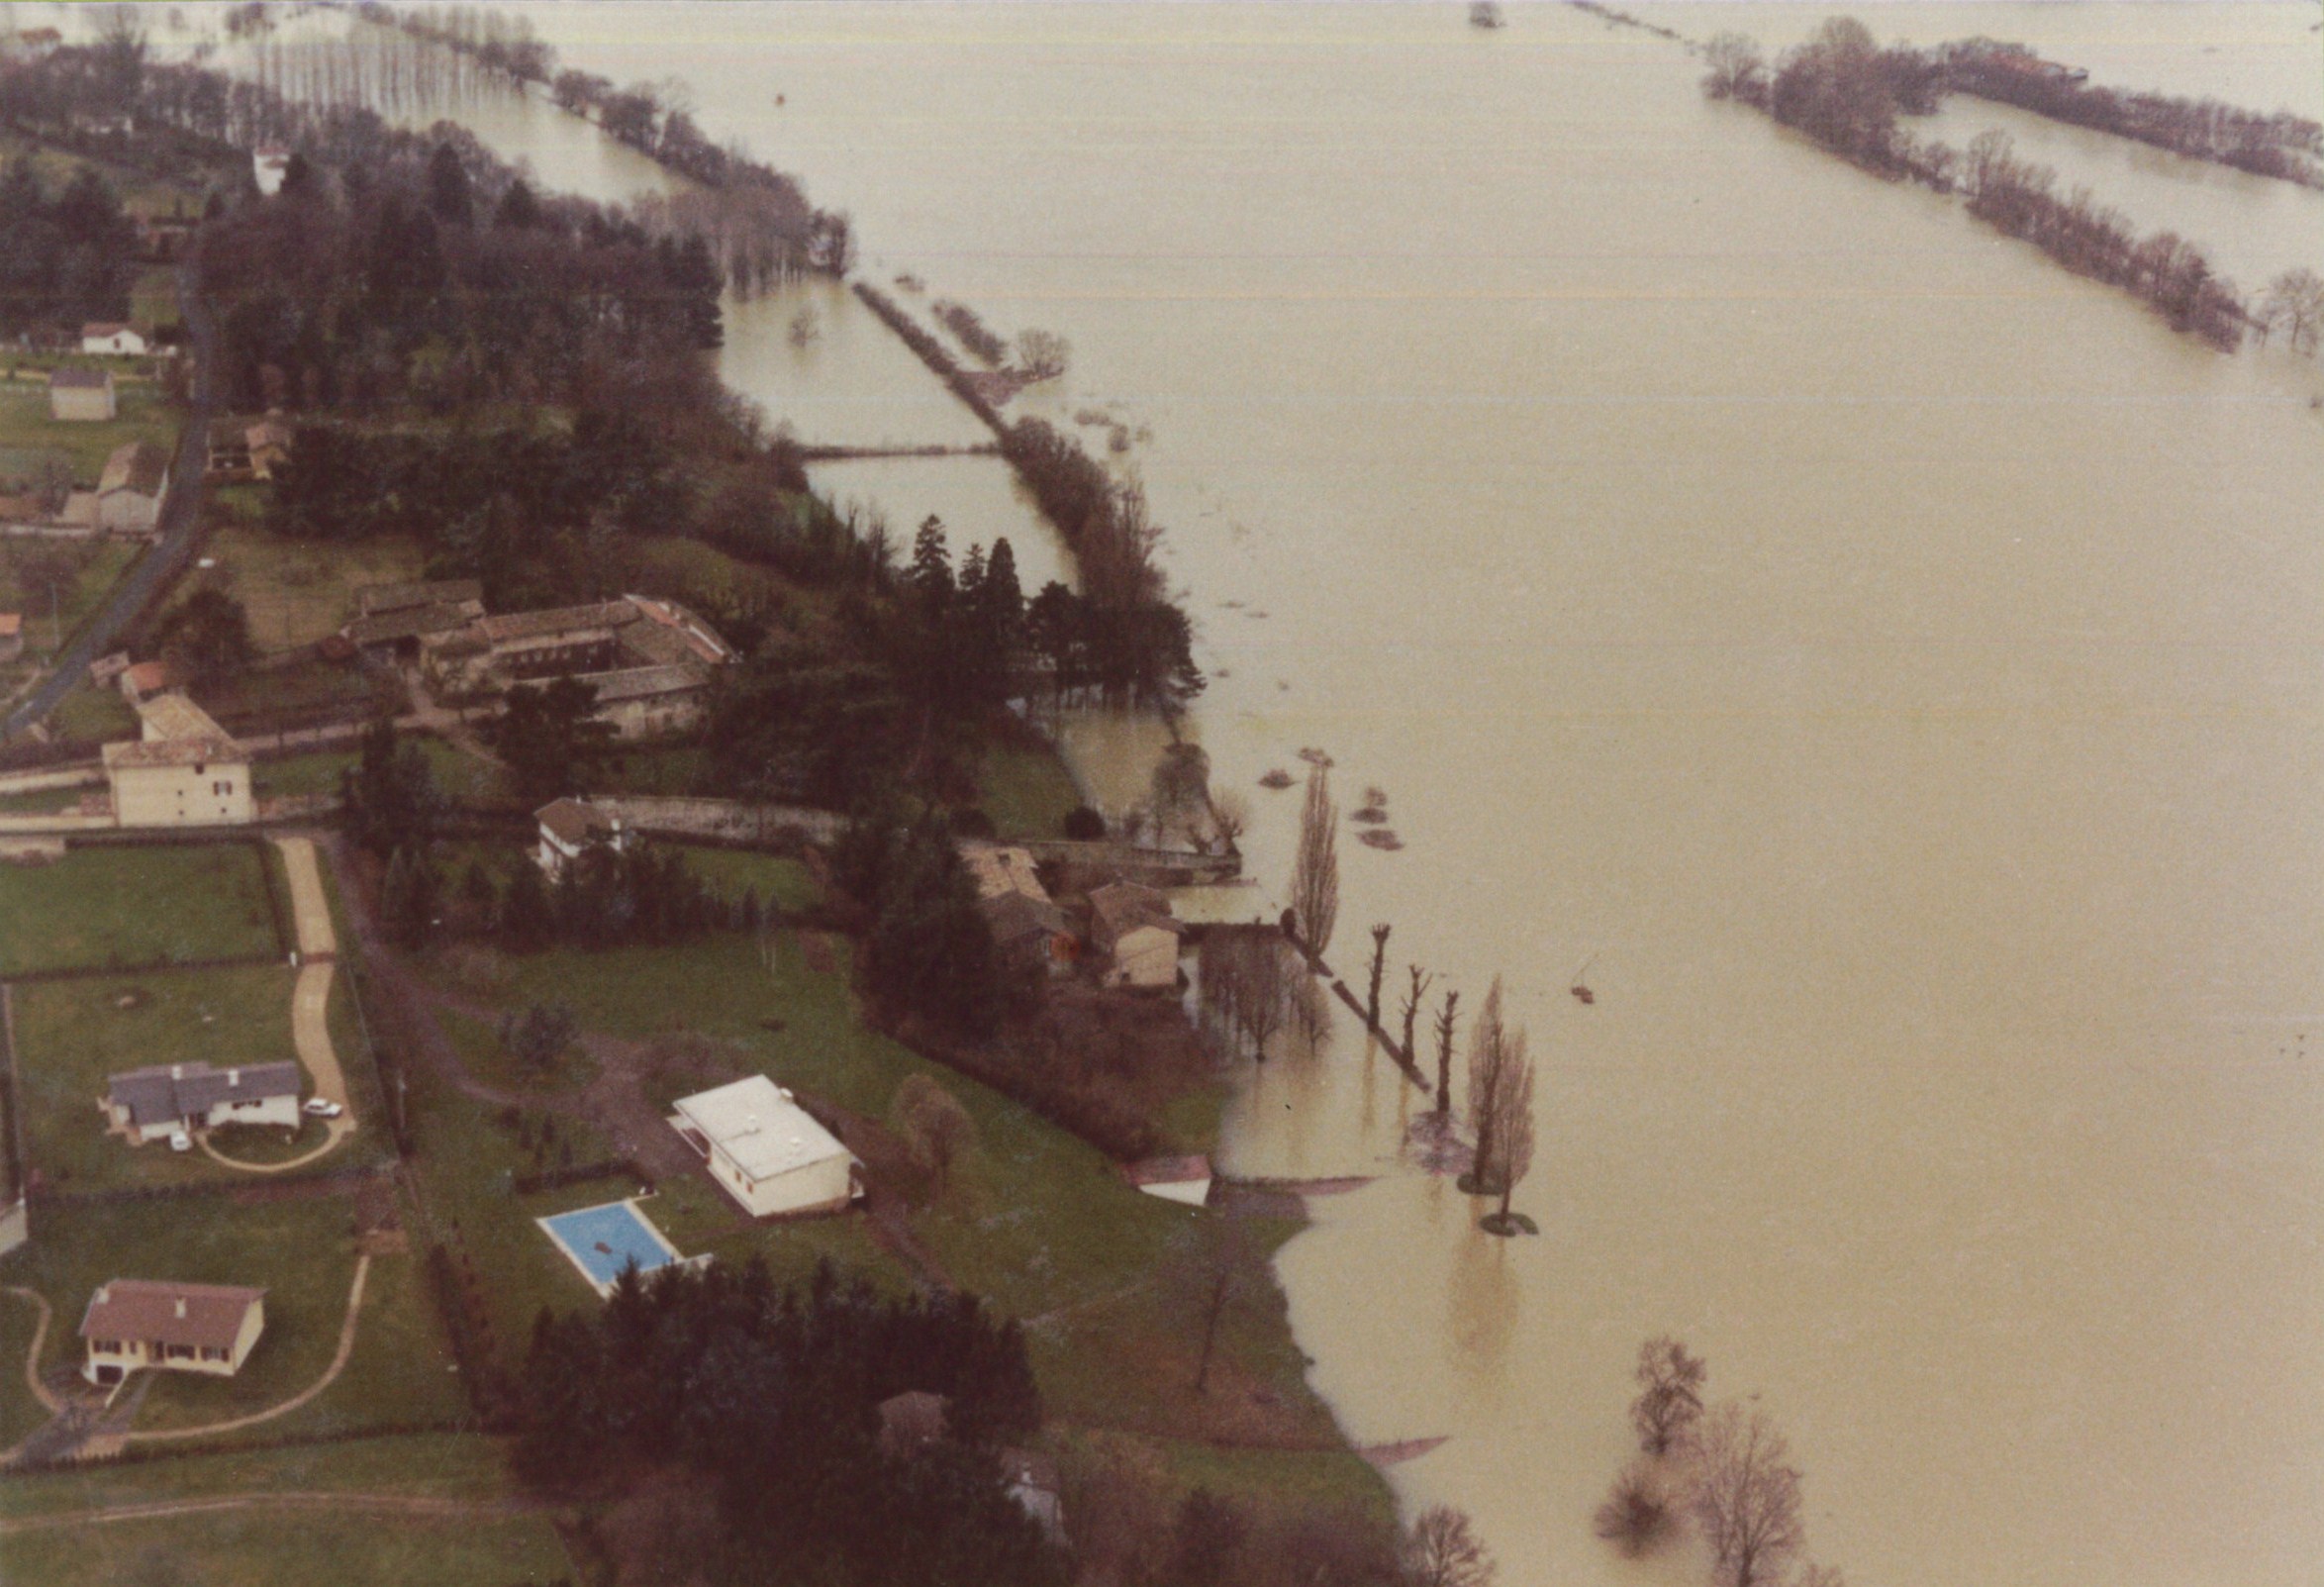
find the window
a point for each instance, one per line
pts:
(106, 1346)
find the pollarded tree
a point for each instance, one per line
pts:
(1315, 879)
(1747, 1497)
(1488, 1071)
(1737, 70)
(1512, 1132)
(1042, 353)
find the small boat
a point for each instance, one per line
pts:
(1581, 987)
(1485, 14)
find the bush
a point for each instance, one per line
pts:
(1084, 825)
(973, 823)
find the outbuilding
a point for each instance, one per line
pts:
(130, 491)
(1133, 925)
(572, 828)
(766, 1151)
(81, 396)
(106, 339)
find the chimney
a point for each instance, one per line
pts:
(177, 1071)
(182, 1308)
(234, 1079)
(104, 1294)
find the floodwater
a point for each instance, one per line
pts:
(1890, 662)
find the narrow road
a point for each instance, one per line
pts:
(31, 1356)
(180, 512)
(310, 1006)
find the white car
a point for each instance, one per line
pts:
(323, 1108)
(179, 1141)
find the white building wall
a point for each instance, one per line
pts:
(125, 512)
(1144, 956)
(83, 404)
(261, 1111)
(824, 1186)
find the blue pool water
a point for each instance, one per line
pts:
(604, 1240)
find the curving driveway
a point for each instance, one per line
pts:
(310, 1005)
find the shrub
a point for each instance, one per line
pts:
(1084, 825)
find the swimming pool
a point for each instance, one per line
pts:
(602, 1240)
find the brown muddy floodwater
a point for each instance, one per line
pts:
(1895, 660)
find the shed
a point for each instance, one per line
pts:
(81, 396)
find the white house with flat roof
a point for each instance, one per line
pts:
(766, 1151)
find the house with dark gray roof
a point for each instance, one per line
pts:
(149, 1104)
(130, 491)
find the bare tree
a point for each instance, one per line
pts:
(1512, 1129)
(1230, 817)
(1447, 1016)
(2295, 304)
(1412, 1009)
(1379, 968)
(1670, 1394)
(934, 1125)
(1042, 353)
(1315, 879)
(1488, 1072)
(1747, 1497)
(1641, 1512)
(1736, 69)
(1211, 1269)
(1442, 1550)
(1813, 1574)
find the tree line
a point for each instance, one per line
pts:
(71, 252)
(2281, 145)
(769, 1399)
(1845, 92)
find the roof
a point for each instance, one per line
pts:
(207, 1315)
(1013, 917)
(1125, 906)
(700, 637)
(558, 620)
(274, 432)
(912, 1420)
(173, 752)
(373, 599)
(169, 1092)
(1003, 870)
(86, 379)
(1167, 1170)
(644, 682)
(137, 465)
(173, 717)
(105, 328)
(406, 623)
(576, 820)
(758, 1124)
(147, 677)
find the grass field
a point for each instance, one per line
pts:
(421, 1464)
(1026, 790)
(48, 801)
(297, 591)
(101, 566)
(19, 1413)
(778, 880)
(27, 430)
(71, 1034)
(264, 698)
(273, 1548)
(482, 1055)
(135, 905)
(300, 1250)
(317, 773)
(92, 714)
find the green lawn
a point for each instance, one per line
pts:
(153, 297)
(299, 775)
(135, 905)
(482, 1055)
(672, 770)
(265, 1548)
(19, 1413)
(99, 566)
(300, 1250)
(27, 430)
(92, 714)
(297, 591)
(777, 879)
(48, 801)
(1026, 790)
(423, 1464)
(71, 1034)
(463, 777)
